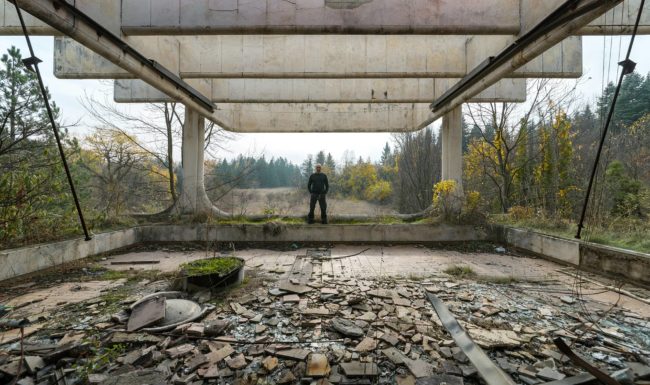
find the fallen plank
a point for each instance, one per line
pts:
(490, 372)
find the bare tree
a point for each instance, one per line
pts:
(160, 130)
(506, 148)
(419, 164)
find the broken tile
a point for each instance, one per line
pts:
(418, 367)
(440, 379)
(407, 379)
(550, 374)
(286, 377)
(238, 308)
(389, 338)
(394, 355)
(218, 355)
(291, 298)
(295, 289)
(318, 365)
(146, 313)
(356, 369)
(270, 363)
(346, 327)
(179, 351)
(196, 330)
(237, 362)
(320, 311)
(366, 345)
(293, 354)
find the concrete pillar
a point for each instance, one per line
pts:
(193, 199)
(452, 146)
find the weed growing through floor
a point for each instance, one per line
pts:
(210, 266)
(100, 357)
(460, 271)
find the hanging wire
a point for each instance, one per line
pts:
(628, 67)
(32, 65)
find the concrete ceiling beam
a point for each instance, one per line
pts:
(504, 17)
(70, 21)
(317, 56)
(490, 17)
(318, 117)
(516, 56)
(320, 90)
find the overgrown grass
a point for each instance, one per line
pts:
(210, 266)
(460, 271)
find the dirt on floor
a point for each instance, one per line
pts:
(345, 314)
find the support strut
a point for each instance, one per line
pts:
(32, 64)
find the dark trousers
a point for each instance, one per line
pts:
(321, 202)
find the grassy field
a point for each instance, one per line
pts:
(292, 201)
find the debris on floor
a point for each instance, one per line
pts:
(313, 326)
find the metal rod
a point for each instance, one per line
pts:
(34, 62)
(594, 371)
(491, 373)
(607, 123)
(566, 12)
(161, 71)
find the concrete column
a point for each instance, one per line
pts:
(452, 146)
(193, 199)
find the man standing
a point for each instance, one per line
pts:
(318, 186)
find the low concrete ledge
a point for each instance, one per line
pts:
(626, 265)
(275, 232)
(24, 260)
(558, 249)
(614, 262)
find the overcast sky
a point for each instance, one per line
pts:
(600, 55)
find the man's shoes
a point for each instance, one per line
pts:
(324, 221)
(310, 221)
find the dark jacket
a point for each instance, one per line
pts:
(318, 183)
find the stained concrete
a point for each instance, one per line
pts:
(314, 233)
(15, 262)
(318, 56)
(327, 16)
(391, 90)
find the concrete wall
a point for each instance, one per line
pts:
(318, 56)
(392, 90)
(555, 248)
(314, 233)
(618, 263)
(15, 262)
(625, 265)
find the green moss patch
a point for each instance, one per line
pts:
(219, 266)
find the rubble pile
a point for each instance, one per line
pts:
(311, 328)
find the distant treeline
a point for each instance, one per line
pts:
(249, 172)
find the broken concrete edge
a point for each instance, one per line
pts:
(608, 261)
(612, 262)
